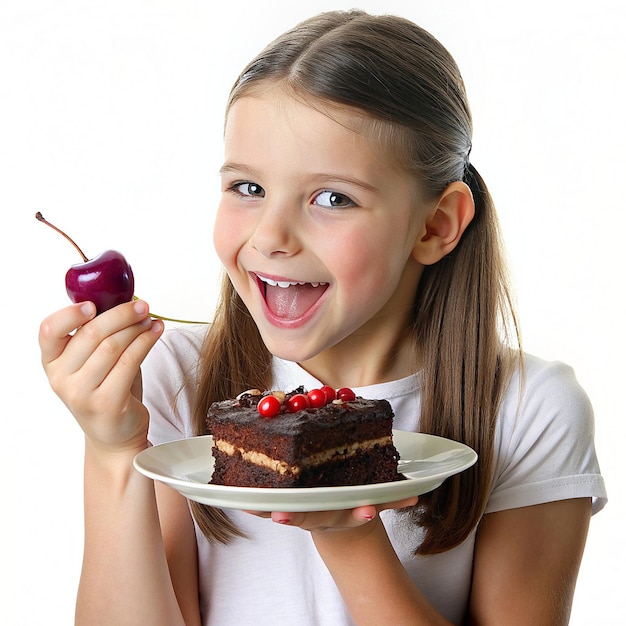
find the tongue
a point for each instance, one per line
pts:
(292, 302)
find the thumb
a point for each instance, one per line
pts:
(136, 388)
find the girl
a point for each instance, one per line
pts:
(361, 249)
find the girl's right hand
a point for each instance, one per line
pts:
(93, 365)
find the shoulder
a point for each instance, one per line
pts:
(544, 441)
(546, 394)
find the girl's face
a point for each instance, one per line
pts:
(316, 229)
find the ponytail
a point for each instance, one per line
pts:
(462, 306)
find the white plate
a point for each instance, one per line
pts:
(187, 464)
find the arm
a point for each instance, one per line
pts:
(525, 565)
(372, 581)
(358, 554)
(181, 550)
(526, 562)
(93, 365)
(125, 577)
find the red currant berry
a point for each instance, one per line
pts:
(296, 403)
(345, 394)
(329, 392)
(317, 398)
(269, 406)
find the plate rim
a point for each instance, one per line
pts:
(269, 498)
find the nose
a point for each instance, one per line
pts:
(275, 232)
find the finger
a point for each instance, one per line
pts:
(286, 518)
(350, 518)
(399, 504)
(118, 356)
(317, 520)
(364, 514)
(90, 336)
(55, 331)
(137, 387)
(109, 409)
(263, 514)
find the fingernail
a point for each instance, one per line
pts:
(140, 307)
(283, 520)
(87, 308)
(369, 517)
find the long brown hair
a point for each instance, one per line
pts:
(407, 83)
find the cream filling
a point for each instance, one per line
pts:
(281, 467)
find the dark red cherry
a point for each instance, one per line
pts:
(329, 392)
(269, 406)
(106, 280)
(345, 394)
(296, 403)
(317, 398)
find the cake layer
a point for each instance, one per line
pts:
(292, 436)
(278, 465)
(358, 469)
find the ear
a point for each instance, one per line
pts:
(445, 224)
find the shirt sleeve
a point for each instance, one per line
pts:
(544, 443)
(168, 376)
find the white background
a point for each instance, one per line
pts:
(110, 124)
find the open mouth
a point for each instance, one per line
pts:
(289, 300)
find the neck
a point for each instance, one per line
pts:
(362, 359)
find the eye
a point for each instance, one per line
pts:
(248, 189)
(333, 200)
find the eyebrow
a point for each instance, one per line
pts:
(239, 167)
(322, 176)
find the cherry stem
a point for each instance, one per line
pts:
(41, 218)
(171, 319)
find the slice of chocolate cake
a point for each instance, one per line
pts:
(274, 439)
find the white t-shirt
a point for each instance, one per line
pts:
(544, 452)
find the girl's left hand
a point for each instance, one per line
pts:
(333, 520)
(359, 556)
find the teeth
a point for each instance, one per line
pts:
(285, 283)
